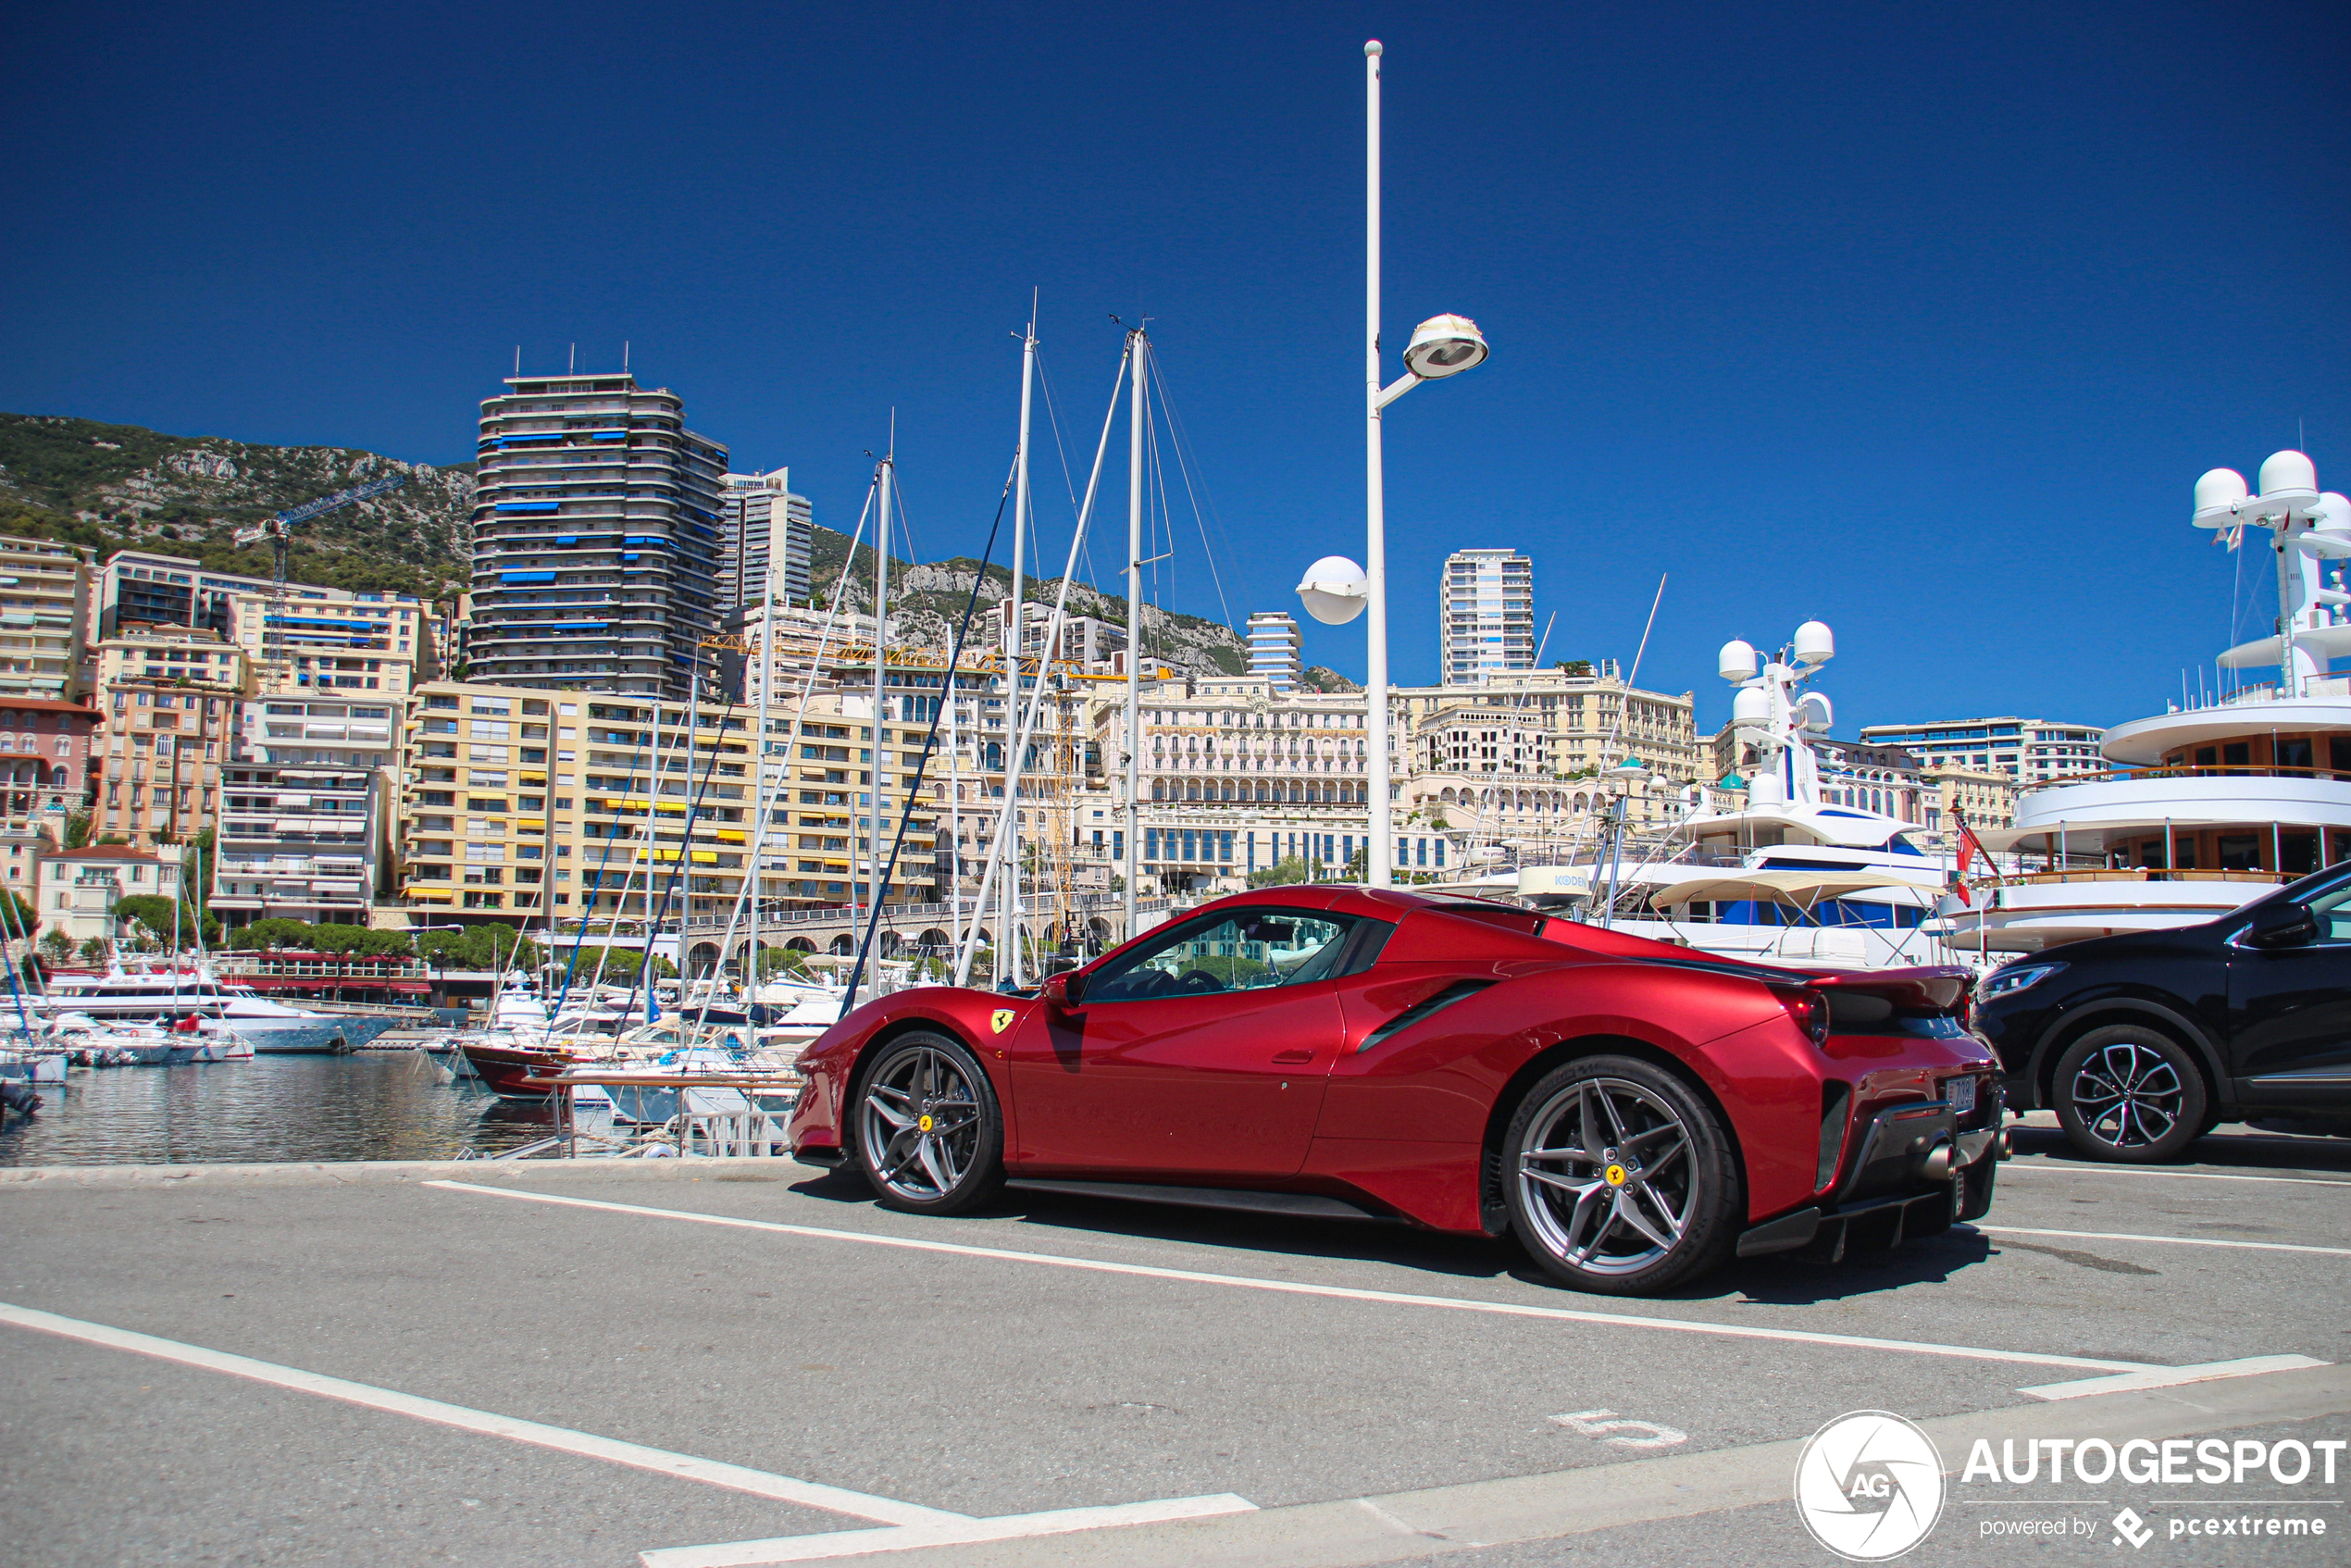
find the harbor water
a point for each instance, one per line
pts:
(375, 1106)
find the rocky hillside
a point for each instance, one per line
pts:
(926, 603)
(117, 486)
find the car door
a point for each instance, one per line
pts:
(1201, 1054)
(2290, 1013)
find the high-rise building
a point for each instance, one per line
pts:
(763, 524)
(168, 698)
(2028, 749)
(597, 538)
(1272, 647)
(1485, 616)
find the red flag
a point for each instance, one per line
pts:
(1970, 849)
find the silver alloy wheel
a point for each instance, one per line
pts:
(1607, 1177)
(921, 1125)
(2128, 1095)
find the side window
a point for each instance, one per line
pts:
(1247, 950)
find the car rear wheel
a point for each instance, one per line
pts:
(1620, 1179)
(930, 1134)
(2131, 1094)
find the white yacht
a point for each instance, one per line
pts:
(2210, 803)
(139, 996)
(1794, 875)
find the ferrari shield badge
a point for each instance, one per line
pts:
(1000, 1020)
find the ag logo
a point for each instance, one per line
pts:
(1000, 1020)
(1868, 1485)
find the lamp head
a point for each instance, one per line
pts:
(1444, 345)
(1334, 591)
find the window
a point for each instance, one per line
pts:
(1249, 949)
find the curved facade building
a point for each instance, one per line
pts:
(597, 538)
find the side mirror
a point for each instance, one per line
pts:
(1062, 991)
(2283, 924)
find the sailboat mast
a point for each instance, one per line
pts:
(1016, 643)
(653, 805)
(759, 791)
(1138, 348)
(881, 662)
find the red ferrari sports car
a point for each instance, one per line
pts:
(1635, 1112)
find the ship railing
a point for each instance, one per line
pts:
(2207, 770)
(2132, 874)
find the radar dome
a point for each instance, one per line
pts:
(2288, 471)
(1814, 712)
(2220, 486)
(1736, 661)
(1815, 644)
(1751, 705)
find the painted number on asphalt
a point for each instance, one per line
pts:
(1611, 1428)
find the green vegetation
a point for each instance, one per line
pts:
(108, 486)
(157, 919)
(479, 947)
(1281, 874)
(277, 934)
(620, 965)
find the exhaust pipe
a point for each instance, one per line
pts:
(1937, 1164)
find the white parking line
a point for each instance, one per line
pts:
(1398, 1298)
(1010, 1527)
(2167, 1240)
(2023, 1165)
(636, 1456)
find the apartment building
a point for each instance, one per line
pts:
(1087, 642)
(1273, 644)
(1986, 797)
(762, 524)
(597, 538)
(326, 640)
(44, 611)
(302, 831)
(524, 803)
(166, 700)
(2029, 750)
(1485, 616)
(77, 889)
(46, 752)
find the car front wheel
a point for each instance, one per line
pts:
(2129, 1094)
(1620, 1179)
(929, 1136)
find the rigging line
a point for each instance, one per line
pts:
(595, 888)
(931, 745)
(767, 790)
(1158, 488)
(1177, 442)
(1025, 727)
(685, 858)
(1085, 554)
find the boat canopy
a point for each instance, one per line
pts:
(1797, 890)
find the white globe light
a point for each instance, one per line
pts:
(1334, 591)
(1444, 345)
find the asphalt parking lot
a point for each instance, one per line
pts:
(578, 1367)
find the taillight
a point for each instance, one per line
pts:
(1810, 1011)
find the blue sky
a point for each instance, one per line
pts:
(1921, 320)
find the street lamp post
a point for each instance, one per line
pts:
(1443, 346)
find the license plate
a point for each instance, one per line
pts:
(1962, 1095)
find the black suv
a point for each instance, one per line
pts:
(2143, 1043)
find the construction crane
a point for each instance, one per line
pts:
(276, 528)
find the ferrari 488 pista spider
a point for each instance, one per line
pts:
(1636, 1114)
